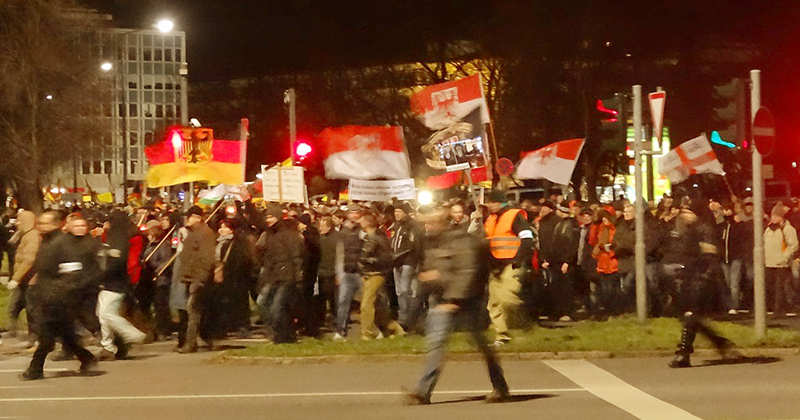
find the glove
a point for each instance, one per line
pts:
(13, 284)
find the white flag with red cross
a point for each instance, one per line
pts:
(554, 162)
(692, 157)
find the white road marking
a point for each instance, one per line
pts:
(21, 369)
(618, 392)
(19, 387)
(276, 395)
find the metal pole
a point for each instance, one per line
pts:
(124, 139)
(758, 217)
(641, 276)
(292, 122)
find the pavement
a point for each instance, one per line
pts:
(157, 383)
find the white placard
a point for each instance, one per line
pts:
(283, 184)
(362, 190)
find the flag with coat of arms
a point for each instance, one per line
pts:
(554, 162)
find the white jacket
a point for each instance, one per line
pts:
(780, 245)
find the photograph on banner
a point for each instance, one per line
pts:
(283, 184)
(458, 147)
(363, 190)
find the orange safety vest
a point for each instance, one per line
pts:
(503, 242)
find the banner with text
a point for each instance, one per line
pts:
(283, 184)
(363, 190)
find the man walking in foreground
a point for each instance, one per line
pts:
(449, 272)
(60, 270)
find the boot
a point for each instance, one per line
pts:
(680, 361)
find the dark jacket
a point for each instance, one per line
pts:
(157, 261)
(624, 245)
(327, 253)
(405, 247)
(280, 249)
(241, 266)
(115, 277)
(454, 253)
(352, 242)
(564, 242)
(731, 240)
(311, 254)
(376, 257)
(65, 265)
(197, 259)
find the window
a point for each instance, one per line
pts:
(96, 167)
(168, 86)
(159, 85)
(178, 56)
(134, 138)
(134, 167)
(159, 55)
(168, 55)
(121, 110)
(107, 167)
(131, 53)
(177, 86)
(148, 55)
(159, 111)
(178, 110)
(133, 110)
(170, 111)
(148, 138)
(147, 109)
(131, 85)
(86, 167)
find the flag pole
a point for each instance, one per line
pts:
(175, 255)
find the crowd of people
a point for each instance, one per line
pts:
(123, 275)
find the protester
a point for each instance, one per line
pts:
(156, 268)
(405, 249)
(780, 248)
(25, 256)
(196, 270)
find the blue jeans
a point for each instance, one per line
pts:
(275, 304)
(349, 284)
(404, 287)
(733, 277)
(439, 326)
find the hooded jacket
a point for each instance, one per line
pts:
(27, 248)
(780, 245)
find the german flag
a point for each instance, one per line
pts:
(187, 158)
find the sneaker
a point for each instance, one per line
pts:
(31, 375)
(413, 398)
(499, 343)
(380, 335)
(498, 396)
(338, 337)
(680, 362)
(565, 318)
(106, 356)
(733, 312)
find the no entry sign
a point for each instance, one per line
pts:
(504, 166)
(764, 131)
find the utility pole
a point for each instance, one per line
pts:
(641, 275)
(290, 98)
(758, 216)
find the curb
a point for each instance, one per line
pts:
(473, 357)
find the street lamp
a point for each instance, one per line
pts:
(106, 66)
(165, 25)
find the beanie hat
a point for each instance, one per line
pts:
(304, 219)
(194, 210)
(405, 207)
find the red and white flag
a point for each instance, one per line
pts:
(364, 152)
(692, 157)
(446, 103)
(554, 162)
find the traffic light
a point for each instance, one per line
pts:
(613, 124)
(302, 149)
(730, 113)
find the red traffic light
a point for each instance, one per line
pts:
(613, 114)
(302, 149)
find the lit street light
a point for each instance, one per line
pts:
(106, 66)
(165, 25)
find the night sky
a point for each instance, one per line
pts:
(255, 37)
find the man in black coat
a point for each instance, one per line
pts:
(63, 265)
(280, 249)
(559, 257)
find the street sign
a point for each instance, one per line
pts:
(504, 166)
(657, 102)
(764, 131)
(768, 172)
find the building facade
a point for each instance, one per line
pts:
(149, 72)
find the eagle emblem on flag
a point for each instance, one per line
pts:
(197, 145)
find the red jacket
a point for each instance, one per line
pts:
(134, 257)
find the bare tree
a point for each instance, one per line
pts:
(51, 91)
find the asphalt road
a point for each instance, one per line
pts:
(159, 384)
